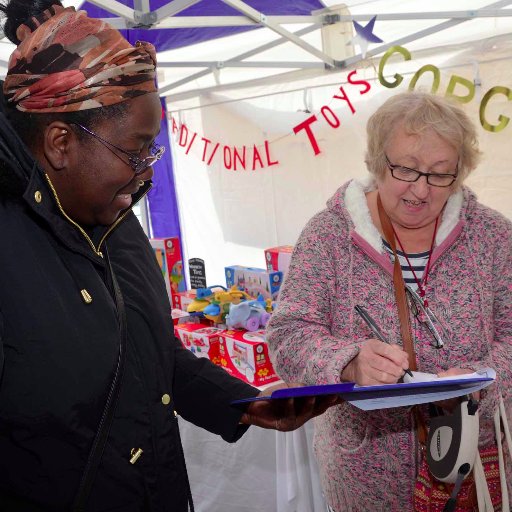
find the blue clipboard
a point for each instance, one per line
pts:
(413, 388)
(401, 394)
(303, 391)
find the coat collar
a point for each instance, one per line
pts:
(351, 198)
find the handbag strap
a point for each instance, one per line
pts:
(100, 439)
(398, 280)
(403, 311)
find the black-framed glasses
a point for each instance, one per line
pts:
(402, 173)
(427, 317)
(139, 165)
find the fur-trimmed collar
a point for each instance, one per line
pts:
(357, 207)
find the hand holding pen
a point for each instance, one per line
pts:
(378, 361)
(361, 311)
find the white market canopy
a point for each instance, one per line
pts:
(277, 64)
(310, 43)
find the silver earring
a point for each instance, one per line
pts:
(141, 183)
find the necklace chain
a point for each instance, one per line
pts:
(422, 285)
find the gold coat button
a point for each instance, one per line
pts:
(86, 296)
(38, 196)
(135, 453)
(166, 399)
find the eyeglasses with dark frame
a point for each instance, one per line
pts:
(139, 165)
(403, 173)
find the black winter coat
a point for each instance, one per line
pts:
(59, 344)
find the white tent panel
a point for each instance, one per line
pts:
(243, 212)
(229, 217)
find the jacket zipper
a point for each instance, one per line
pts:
(82, 231)
(114, 225)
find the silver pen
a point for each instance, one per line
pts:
(370, 322)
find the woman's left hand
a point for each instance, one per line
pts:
(450, 404)
(288, 413)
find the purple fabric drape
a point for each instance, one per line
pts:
(165, 221)
(165, 39)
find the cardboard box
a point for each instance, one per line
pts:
(168, 255)
(181, 300)
(254, 281)
(245, 356)
(201, 340)
(278, 258)
(178, 316)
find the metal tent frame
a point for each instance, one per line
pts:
(140, 16)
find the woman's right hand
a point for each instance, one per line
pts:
(376, 363)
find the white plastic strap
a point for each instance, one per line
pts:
(503, 476)
(482, 491)
(504, 419)
(501, 459)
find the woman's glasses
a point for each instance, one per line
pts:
(139, 165)
(426, 316)
(402, 173)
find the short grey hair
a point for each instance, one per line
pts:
(417, 112)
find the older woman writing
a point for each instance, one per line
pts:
(453, 252)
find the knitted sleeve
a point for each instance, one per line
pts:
(299, 332)
(501, 351)
(492, 248)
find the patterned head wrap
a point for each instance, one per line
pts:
(67, 61)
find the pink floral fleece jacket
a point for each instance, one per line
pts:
(368, 459)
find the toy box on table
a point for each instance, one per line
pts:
(254, 281)
(214, 303)
(178, 316)
(201, 340)
(245, 355)
(181, 300)
(278, 258)
(168, 255)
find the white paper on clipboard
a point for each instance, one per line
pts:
(424, 388)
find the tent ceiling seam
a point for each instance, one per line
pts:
(344, 64)
(319, 86)
(263, 20)
(164, 90)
